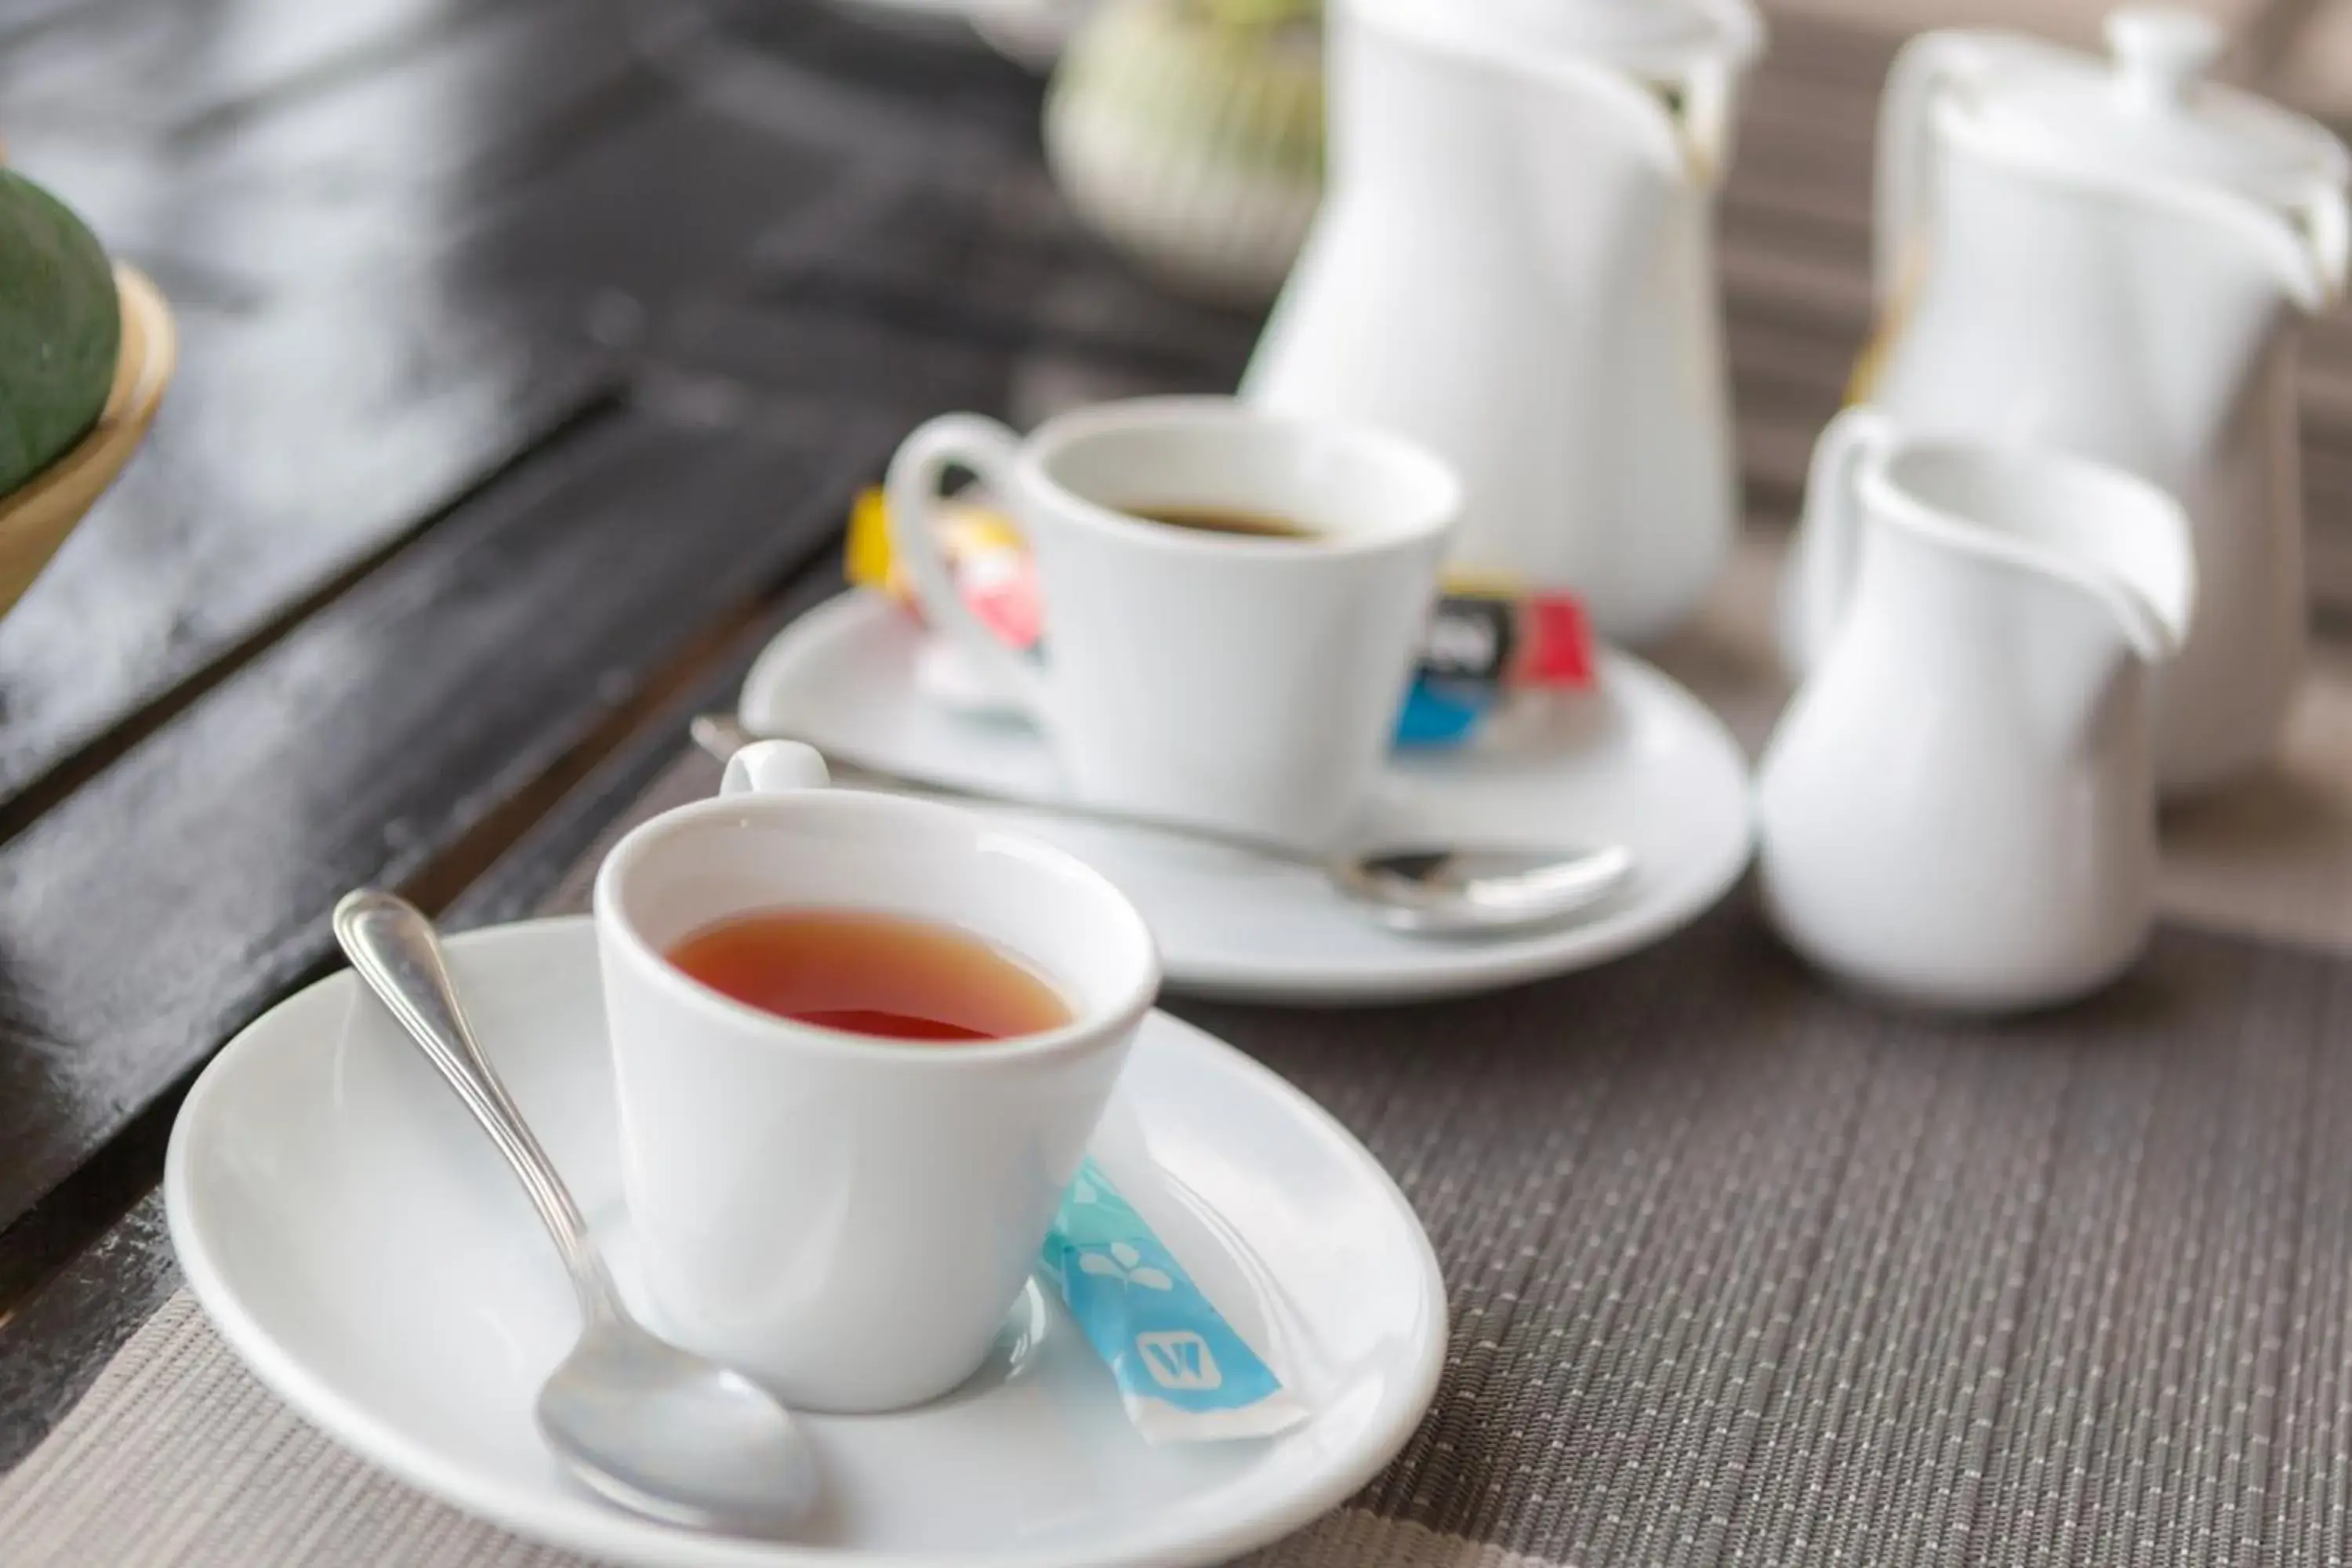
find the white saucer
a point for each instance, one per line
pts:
(915, 10)
(1032, 33)
(359, 1244)
(1640, 762)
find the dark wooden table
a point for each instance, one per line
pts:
(532, 352)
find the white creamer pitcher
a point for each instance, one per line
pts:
(1513, 266)
(1960, 808)
(2113, 258)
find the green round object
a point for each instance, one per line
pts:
(60, 330)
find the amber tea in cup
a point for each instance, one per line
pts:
(864, 974)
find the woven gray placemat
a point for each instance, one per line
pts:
(1742, 1272)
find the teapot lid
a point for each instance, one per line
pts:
(2150, 108)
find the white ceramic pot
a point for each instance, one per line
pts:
(2114, 259)
(1959, 808)
(1514, 267)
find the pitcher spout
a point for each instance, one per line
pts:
(2151, 599)
(2118, 551)
(2138, 583)
(2107, 569)
(1706, 97)
(1675, 106)
(2294, 252)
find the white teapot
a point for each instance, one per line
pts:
(1960, 806)
(1514, 264)
(2112, 258)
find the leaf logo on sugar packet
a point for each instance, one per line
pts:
(1123, 1262)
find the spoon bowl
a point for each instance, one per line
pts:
(1438, 891)
(671, 1435)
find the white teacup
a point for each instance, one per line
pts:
(1249, 683)
(847, 1218)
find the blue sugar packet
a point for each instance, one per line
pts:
(1182, 1372)
(1441, 713)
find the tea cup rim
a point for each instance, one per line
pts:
(1051, 441)
(1089, 1025)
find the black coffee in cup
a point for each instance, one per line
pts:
(1223, 520)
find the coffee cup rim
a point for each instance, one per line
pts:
(1087, 1027)
(1057, 435)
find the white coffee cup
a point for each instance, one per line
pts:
(847, 1219)
(1249, 683)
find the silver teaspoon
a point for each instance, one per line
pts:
(652, 1427)
(1425, 888)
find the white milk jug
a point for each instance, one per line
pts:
(1514, 264)
(1959, 808)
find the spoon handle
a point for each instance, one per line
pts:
(722, 736)
(394, 948)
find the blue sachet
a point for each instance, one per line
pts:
(1182, 1372)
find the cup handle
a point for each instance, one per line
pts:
(775, 767)
(1828, 548)
(989, 450)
